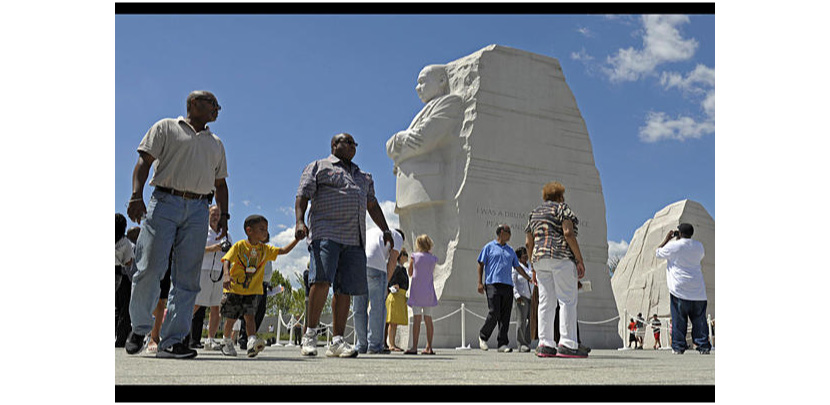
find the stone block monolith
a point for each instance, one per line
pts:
(496, 126)
(639, 281)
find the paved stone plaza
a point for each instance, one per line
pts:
(279, 365)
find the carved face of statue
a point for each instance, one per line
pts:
(431, 84)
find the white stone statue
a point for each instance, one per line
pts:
(496, 126)
(420, 151)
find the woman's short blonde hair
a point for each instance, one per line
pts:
(552, 191)
(423, 243)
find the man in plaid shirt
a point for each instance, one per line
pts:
(340, 194)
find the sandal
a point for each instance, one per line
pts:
(410, 352)
(428, 352)
(395, 349)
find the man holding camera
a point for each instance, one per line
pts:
(686, 288)
(210, 282)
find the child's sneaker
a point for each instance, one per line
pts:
(152, 347)
(255, 346)
(227, 348)
(308, 346)
(341, 349)
(212, 344)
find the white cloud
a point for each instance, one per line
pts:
(288, 211)
(699, 84)
(388, 208)
(582, 55)
(585, 31)
(295, 262)
(246, 202)
(660, 126)
(696, 82)
(617, 249)
(662, 43)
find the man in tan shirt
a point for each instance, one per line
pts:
(189, 170)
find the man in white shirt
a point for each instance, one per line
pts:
(370, 309)
(686, 288)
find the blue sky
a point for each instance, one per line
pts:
(288, 83)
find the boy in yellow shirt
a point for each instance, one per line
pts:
(243, 269)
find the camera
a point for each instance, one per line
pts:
(675, 234)
(225, 245)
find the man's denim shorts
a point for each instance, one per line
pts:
(342, 266)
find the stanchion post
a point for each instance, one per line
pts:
(709, 326)
(290, 333)
(463, 346)
(279, 327)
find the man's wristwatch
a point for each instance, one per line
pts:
(226, 215)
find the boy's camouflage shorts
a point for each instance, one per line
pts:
(233, 306)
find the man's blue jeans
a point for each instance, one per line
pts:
(376, 317)
(681, 311)
(178, 225)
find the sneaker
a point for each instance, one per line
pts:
(677, 351)
(505, 349)
(704, 351)
(212, 344)
(135, 344)
(585, 349)
(545, 351)
(227, 348)
(152, 347)
(177, 351)
(196, 345)
(482, 344)
(255, 346)
(564, 351)
(524, 349)
(341, 349)
(309, 345)
(243, 344)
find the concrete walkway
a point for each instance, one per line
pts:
(279, 365)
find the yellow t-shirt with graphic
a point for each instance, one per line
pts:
(248, 266)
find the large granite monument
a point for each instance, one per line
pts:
(639, 281)
(496, 126)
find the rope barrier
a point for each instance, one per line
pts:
(665, 326)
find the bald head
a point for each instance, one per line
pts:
(432, 82)
(343, 146)
(198, 94)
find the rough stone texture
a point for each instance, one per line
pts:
(639, 281)
(521, 129)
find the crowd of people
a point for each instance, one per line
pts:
(183, 261)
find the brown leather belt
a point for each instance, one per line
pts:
(185, 194)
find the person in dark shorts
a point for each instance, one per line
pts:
(655, 328)
(242, 286)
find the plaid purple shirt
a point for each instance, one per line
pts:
(338, 200)
(545, 223)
